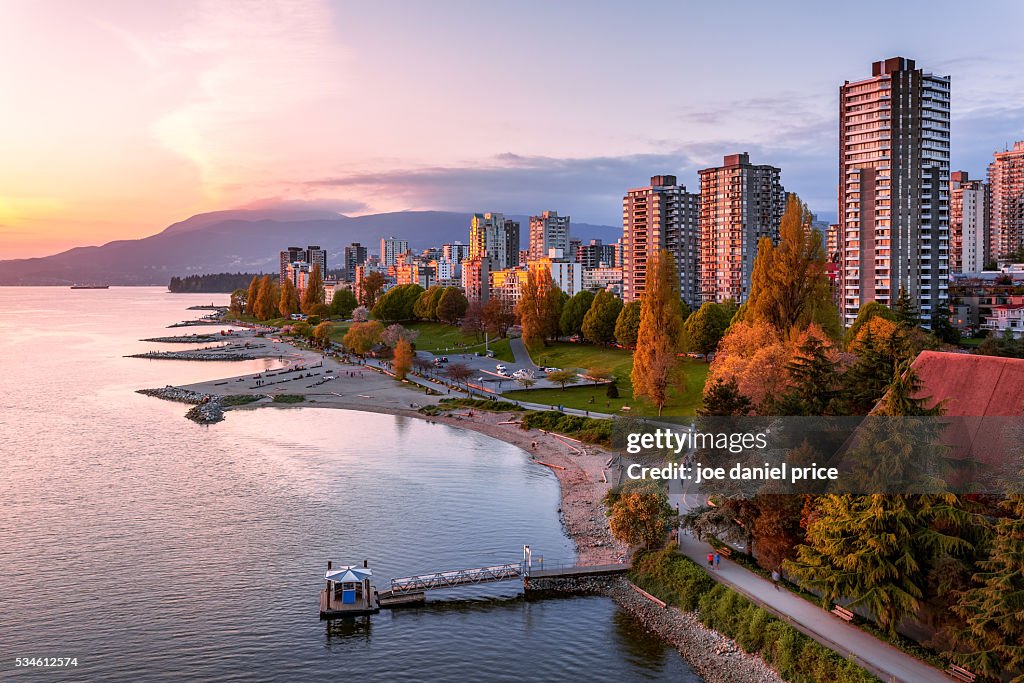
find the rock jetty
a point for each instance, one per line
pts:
(198, 354)
(184, 339)
(206, 408)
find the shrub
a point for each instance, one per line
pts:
(289, 398)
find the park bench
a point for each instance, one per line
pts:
(843, 613)
(961, 674)
(724, 551)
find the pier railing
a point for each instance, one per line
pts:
(457, 577)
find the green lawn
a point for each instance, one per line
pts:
(620, 362)
(441, 339)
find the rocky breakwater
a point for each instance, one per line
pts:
(197, 354)
(716, 658)
(184, 339)
(206, 408)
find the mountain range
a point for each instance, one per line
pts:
(249, 241)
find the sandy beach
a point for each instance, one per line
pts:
(325, 382)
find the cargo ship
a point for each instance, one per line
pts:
(90, 286)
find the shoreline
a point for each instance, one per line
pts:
(579, 470)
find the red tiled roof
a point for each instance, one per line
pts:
(972, 385)
(979, 390)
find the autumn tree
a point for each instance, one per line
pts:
(458, 372)
(563, 377)
(322, 335)
(755, 357)
(362, 337)
(704, 329)
(451, 305)
(370, 287)
(499, 315)
(640, 514)
(289, 301)
(599, 322)
(539, 308)
(472, 322)
(571, 322)
(661, 326)
(402, 361)
(868, 311)
(252, 294)
(266, 299)
(628, 324)
(238, 302)
(313, 296)
(395, 333)
(789, 287)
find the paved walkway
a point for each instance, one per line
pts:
(878, 657)
(520, 353)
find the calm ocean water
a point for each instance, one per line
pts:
(154, 549)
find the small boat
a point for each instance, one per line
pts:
(90, 286)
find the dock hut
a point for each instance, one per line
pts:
(348, 592)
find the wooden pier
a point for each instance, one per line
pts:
(349, 593)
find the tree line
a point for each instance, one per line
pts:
(211, 283)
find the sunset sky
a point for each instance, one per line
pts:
(122, 117)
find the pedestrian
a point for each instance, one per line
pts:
(718, 559)
(775, 578)
(711, 560)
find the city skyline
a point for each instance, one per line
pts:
(185, 108)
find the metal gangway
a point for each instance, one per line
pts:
(457, 577)
(464, 577)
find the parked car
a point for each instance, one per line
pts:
(500, 367)
(490, 354)
(551, 369)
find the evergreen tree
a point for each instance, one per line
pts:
(906, 310)
(723, 398)
(571, 322)
(343, 303)
(813, 380)
(250, 297)
(789, 286)
(426, 305)
(874, 551)
(628, 324)
(661, 326)
(451, 305)
(704, 329)
(599, 322)
(397, 303)
(289, 301)
(313, 297)
(993, 608)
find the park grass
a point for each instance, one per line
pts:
(620, 362)
(442, 339)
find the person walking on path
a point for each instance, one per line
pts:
(711, 560)
(718, 559)
(775, 578)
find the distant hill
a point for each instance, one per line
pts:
(247, 241)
